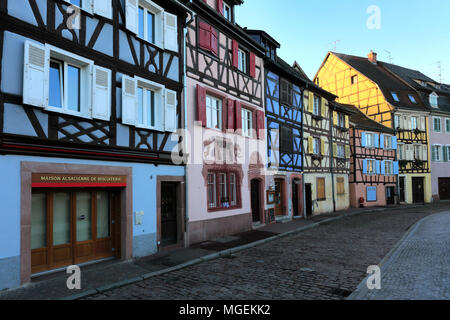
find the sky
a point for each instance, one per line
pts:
(411, 33)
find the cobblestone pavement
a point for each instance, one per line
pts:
(419, 268)
(326, 262)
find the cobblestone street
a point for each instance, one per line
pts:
(327, 262)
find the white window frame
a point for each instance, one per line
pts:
(396, 121)
(242, 61)
(433, 99)
(86, 68)
(225, 6)
(340, 151)
(447, 128)
(158, 12)
(440, 124)
(448, 152)
(414, 123)
(389, 139)
(389, 164)
(374, 167)
(213, 204)
(372, 140)
(247, 122)
(159, 103)
(214, 110)
(317, 146)
(316, 106)
(401, 151)
(438, 153)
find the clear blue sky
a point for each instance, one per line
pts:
(416, 32)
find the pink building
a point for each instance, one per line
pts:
(373, 165)
(225, 124)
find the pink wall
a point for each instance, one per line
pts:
(439, 169)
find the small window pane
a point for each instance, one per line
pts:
(61, 218)
(103, 222)
(73, 88)
(150, 27)
(150, 108)
(84, 216)
(38, 221)
(140, 113)
(141, 22)
(76, 2)
(55, 92)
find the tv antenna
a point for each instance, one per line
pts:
(334, 43)
(389, 56)
(439, 66)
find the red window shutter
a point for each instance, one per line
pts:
(252, 65)
(231, 116)
(261, 124)
(204, 36)
(254, 124)
(238, 115)
(201, 105)
(220, 6)
(214, 41)
(235, 54)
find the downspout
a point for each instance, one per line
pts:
(330, 118)
(185, 144)
(303, 155)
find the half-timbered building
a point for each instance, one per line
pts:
(225, 122)
(384, 97)
(325, 164)
(373, 164)
(283, 104)
(89, 109)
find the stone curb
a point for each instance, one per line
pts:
(361, 289)
(219, 254)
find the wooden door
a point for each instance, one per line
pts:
(418, 190)
(444, 188)
(279, 196)
(169, 214)
(402, 189)
(255, 200)
(308, 199)
(295, 197)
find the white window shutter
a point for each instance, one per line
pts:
(35, 74)
(409, 152)
(101, 93)
(424, 153)
(170, 111)
(170, 32)
(129, 100)
(131, 13)
(102, 8)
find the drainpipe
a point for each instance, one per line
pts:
(332, 159)
(303, 155)
(185, 144)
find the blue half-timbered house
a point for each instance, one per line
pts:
(90, 104)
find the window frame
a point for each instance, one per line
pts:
(319, 147)
(85, 82)
(395, 96)
(412, 99)
(439, 153)
(324, 189)
(440, 124)
(158, 12)
(158, 90)
(247, 118)
(241, 66)
(224, 6)
(447, 125)
(216, 185)
(374, 167)
(433, 100)
(340, 183)
(391, 167)
(219, 111)
(318, 105)
(338, 146)
(414, 120)
(354, 79)
(389, 138)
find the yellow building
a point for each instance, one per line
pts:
(384, 97)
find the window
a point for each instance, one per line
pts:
(222, 190)
(395, 96)
(247, 123)
(242, 56)
(388, 142)
(286, 138)
(340, 151)
(146, 107)
(370, 140)
(340, 185)
(227, 11)
(355, 79)
(147, 27)
(213, 113)
(317, 146)
(388, 167)
(341, 120)
(436, 152)
(436, 124)
(371, 194)
(286, 92)
(412, 99)
(76, 3)
(371, 167)
(413, 123)
(401, 153)
(447, 125)
(434, 100)
(418, 155)
(396, 122)
(212, 190)
(321, 195)
(208, 38)
(447, 153)
(65, 87)
(316, 110)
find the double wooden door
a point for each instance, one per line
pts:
(444, 188)
(73, 226)
(418, 190)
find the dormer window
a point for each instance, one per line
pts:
(355, 79)
(412, 99)
(434, 100)
(395, 96)
(227, 11)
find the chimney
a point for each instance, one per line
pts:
(373, 57)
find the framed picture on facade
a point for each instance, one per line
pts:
(270, 197)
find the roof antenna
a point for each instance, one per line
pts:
(389, 56)
(439, 66)
(335, 44)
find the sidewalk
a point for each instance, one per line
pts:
(114, 273)
(418, 268)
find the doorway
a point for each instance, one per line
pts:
(279, 197)
(295, 197)
(255, 200)
(73, 226)
(418, 190)
(169, 213)
(402, 189)
(308, 199)
(390, 192)
(444, 188)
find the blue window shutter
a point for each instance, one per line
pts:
(382, 141)
(365, 166)
(363, 139)
(375, 137)
(383, 167)
(394, 143)
(395, 167)
(377, 166)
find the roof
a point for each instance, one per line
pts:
(386, 81)
(361, 121)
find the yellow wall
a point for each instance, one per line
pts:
(325, 206)
(408, 186)
(335, 76)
